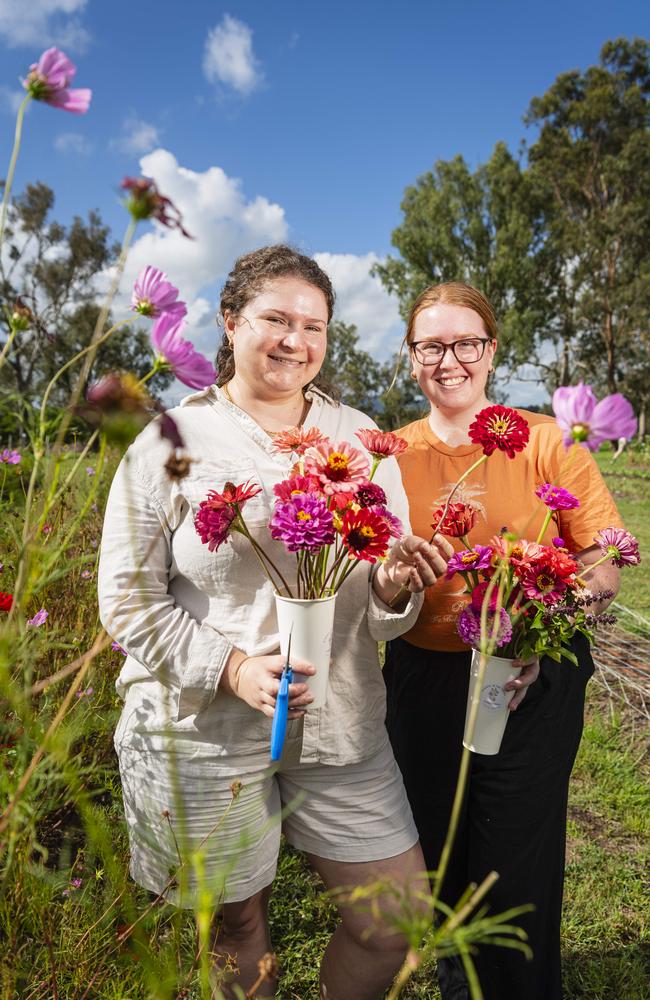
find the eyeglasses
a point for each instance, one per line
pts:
(468, 352)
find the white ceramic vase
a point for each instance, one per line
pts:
(492, 713)
(310, 624)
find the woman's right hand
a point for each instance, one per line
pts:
(256, 680)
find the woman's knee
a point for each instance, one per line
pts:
(245, 919)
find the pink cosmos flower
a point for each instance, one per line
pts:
(153, 294)
(587, 422)
(39, 618)
(479, 557)
(469, 626)
(620, 545)
(556, 498)
(12, 457)
(340, 468)
(180, 355)
(303, 524)
(48, 80)
(146, 202)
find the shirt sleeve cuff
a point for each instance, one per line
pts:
(208, 655)
(386, 623)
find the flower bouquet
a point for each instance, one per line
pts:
(526, 599)
(330, 515)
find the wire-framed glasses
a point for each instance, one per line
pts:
(468, 352)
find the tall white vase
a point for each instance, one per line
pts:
(492, 714)
(310, 624)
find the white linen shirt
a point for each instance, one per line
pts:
(179, 609)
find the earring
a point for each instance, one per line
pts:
(413, 376)
(490, 370)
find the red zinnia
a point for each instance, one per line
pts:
(500, 427)
(381, 444)
(365, 534)
(295, 486)
(232, 496)
(6, 600)
(459, 519)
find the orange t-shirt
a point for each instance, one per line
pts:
(505, 488)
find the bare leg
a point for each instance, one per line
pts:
(365, 954)
(240, 942)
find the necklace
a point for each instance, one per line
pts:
(226, 392)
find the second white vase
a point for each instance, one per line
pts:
(492, 713)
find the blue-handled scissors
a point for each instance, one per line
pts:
(279, 728)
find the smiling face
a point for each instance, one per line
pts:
(279, 338)
(451, 386)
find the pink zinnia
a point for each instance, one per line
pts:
(297, 440)
(153, 294)
(48, 80)
(340, 468)
(187, 364)
(381, 444)
(303, 524)
(587, 422)
(540, 583)
(289, 488)
(556, 498)
(620, 545)
(213, 524)
(480, 557)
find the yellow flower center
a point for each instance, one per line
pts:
(303, 515)
(367, 532)
(469, 557)
(337, 460)
(544, 582)
(500, 425)
(337, 521)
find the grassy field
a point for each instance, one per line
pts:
(67, 905)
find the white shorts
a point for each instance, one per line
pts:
(181, 808)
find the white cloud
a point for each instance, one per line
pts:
(10, 99)
(228, 57)
(362, 299)
(44, 23)
(137, 136)
(73, 142)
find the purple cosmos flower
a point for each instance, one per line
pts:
(556, 498)
(88, 693)
(48, 80)
(303, 523)
(395, 526)
(40, 617)
(370, 495)
(153, 295)
(620, 545)
(469, 626)
(90, 470)
(587, 422)
(12, 457)
(146, 202)
(119, 649)
(187, 364)
(467, 559)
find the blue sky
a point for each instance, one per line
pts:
(279, 120)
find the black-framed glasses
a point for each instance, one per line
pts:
(468, 352)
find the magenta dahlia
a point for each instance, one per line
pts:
(303, 523)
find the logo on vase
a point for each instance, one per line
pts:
(493, 696)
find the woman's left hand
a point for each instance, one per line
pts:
(529, 674)
(412, 564)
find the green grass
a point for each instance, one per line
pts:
(70, 824)
(628, 479)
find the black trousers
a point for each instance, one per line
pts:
(514, 814)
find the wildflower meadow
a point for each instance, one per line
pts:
(73, 924)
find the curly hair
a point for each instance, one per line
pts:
(250, 274)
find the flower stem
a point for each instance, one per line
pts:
(547, 521)
(12, 163)
(466, 473)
